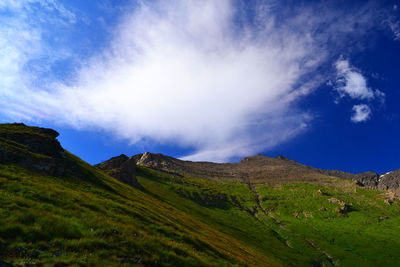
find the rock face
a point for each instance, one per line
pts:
(36, 149)
(390, 180)
(122, 168)
(369, 179)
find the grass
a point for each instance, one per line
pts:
(363, 235)
(303, 224)
(48, 220)
(174, 220)
(91, 219)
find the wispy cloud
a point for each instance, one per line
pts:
(361, 113)
(198, 74)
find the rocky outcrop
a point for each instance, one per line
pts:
(36, 149)
(155, 161)
(390, 180)
(369, 179)
(122, 168)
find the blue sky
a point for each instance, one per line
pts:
(316, 81)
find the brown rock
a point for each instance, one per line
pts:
(122, 168)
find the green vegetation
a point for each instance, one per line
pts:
(45, 219)
(83, 217)
(331, 222)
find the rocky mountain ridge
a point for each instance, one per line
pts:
(258, 168)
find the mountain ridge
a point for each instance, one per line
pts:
(259, 168)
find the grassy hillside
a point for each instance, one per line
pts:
(45, 219)
(56, 210)
(331, 222)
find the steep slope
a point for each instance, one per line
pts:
(53, 215)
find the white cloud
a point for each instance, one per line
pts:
(361, 113)
(351, 82)
(24, 52)
(189, 72)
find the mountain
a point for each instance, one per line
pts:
(257, 168)
(57, 210)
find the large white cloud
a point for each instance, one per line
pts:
(195, 73)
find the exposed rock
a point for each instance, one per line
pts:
(390, 180)
(344, 208)
(122, 168)
(388, 201)
(319, 192)
(36, 149)
(260, 168)
(155, 161)
(335, 200)
(369, 179)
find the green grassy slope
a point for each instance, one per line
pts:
(331, 222)
(102, 222)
